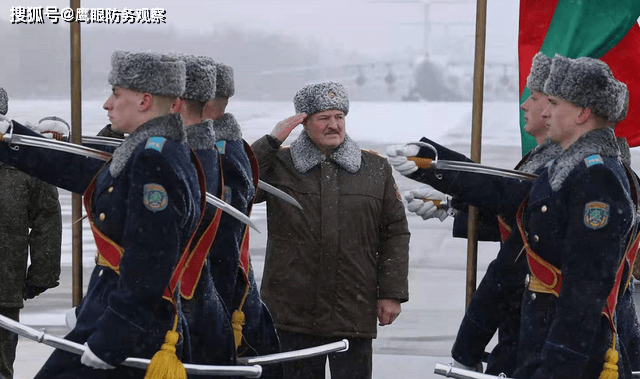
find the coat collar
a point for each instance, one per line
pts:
(201, 136)
(599, 141)
(541, 155)
(226, 128)
(306, 155)
(169, 126)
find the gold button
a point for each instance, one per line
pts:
(111, 190)
(544, 208)
(102, 216)
(536, 238)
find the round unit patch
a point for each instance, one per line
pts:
(596, 215)
(155, 197)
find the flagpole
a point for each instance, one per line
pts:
(76, 135)
(476, 143)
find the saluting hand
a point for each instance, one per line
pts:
(388, 311)
(284, 127)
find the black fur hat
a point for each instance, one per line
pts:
(319, 97)
(588, 83)
(147, 72)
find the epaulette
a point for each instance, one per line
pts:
(155, 143)
(592, 160)
(371, 152)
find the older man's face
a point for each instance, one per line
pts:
(326, 129)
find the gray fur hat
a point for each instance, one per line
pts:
(319, 97)
(539, 72)
(588, 83)
(224, 81)
(201, 77)
(4, 101)
(153, 73)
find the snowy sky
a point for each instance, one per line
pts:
(370, 26)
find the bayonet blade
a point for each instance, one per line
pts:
(141, 363)
(20, 139)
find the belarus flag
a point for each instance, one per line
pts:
(603, 29)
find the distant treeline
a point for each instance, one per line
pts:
(36, 60)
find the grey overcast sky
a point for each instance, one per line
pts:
(375, 27)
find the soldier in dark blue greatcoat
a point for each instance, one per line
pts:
(230, 260)
(211, 334)
(143, 207)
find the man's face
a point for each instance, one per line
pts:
(326, 129)
(535, 124)
(123, 109)
(561, 119)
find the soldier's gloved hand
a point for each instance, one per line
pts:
(92, 360)
(397, 157)
(52, 127)
(70, 318)
(421, 202)
(476, 368)
(31, 291)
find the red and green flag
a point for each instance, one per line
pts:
(602, 29)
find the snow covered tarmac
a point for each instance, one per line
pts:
(424, 332)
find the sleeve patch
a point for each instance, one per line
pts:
(155, 143)
(596, 215)
(155, 197)
(221, 145)
(593, 160)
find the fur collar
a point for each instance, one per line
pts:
(599, 141)
(201, 136)
(540, 155)
(306, 155)
(226, 128)
(169, 126)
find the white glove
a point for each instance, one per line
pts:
(397, 157)
(477, 368)
(419, 202)
(52, 127)
(70, 318)
(4, 127)
(92, 360)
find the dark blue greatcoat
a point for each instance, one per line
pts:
(496, 303)
(147, 200)
(259, 333)
(211, 334)
(578, 218)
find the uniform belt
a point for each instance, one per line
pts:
(534, 284)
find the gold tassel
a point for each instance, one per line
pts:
(237, 320)
(165, 364)
(610, 367)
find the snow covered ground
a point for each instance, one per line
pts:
(424, 332)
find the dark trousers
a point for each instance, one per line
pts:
(8, 344)
(355, 363)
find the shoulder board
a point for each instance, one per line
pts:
(155, 143)
(371, 152)
(222, 146)
(592, 160)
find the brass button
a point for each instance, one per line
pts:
(102, 216)
(544, 208)
(111, 190)
(536, 238)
